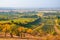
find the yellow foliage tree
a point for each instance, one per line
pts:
(6, 28)
(29, 31)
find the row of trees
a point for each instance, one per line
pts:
(14, 30)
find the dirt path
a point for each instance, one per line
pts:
(16, 39)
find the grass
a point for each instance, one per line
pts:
(20, 20)
(24, 20)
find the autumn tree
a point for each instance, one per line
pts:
(6, 28)
(21, 31)
(13, 29)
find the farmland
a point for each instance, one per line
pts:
(29, 25)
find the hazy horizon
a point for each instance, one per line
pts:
(30, 3)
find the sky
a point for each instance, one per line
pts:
(30, 3)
